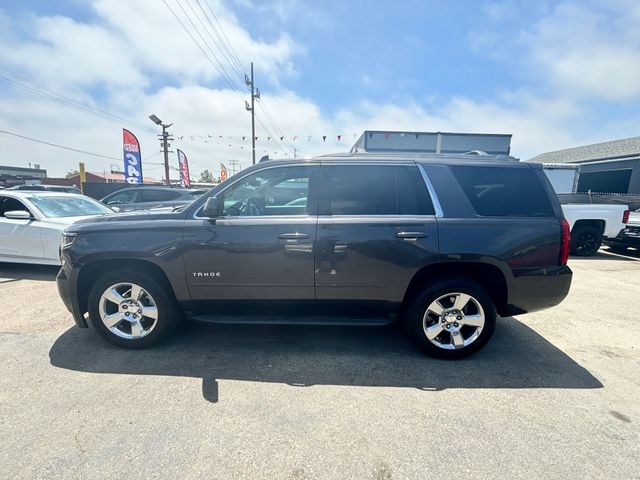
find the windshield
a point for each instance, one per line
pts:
(71, 206)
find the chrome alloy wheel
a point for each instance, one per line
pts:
(128, 310)
(453, 321)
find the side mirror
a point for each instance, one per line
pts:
(17, 215)
(213, 207)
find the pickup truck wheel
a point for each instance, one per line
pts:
(451, 319)
(585, 240)
(132, 309)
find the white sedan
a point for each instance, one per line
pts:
(31, 223)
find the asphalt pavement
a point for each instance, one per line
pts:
(555, 394)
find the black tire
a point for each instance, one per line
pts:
(415, 318)
(585, 240)
(161, 295)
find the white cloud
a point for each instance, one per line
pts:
(590, 50)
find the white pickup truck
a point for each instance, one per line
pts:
(590, 223)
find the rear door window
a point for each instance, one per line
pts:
(504, 191)
(159, 195)
(121, 198)
(374, 190)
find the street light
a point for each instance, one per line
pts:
(165, 145)
(155, 120)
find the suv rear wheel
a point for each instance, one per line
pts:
(132, 309)
(451, 319)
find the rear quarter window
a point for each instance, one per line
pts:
(504, 192)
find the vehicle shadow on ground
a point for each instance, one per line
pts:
(12, 272)
(517, 357)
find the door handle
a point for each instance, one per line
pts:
(293, 236)
(411, 235)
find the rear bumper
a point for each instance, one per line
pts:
(537, 289)
(628, 236)
(66, 283)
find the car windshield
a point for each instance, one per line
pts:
(71, 206)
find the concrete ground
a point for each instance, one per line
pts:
(555, 394)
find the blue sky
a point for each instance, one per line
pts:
(555, 74)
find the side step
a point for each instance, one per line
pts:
(294, 320)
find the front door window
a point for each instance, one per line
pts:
(271, 192)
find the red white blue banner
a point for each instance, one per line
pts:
(132, 158)
(183, 164)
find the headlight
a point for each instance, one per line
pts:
(68, 238)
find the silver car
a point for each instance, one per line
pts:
(31, 223)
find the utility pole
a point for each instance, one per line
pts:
(164, 141)
(233, 164)
(255, 93)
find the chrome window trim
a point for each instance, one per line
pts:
(369, 218)
(432, 193)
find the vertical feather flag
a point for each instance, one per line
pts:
(183, 164)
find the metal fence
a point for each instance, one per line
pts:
(632, 200)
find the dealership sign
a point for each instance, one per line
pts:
(132, 158)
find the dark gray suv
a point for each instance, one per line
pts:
(145, 198)
(442, 244)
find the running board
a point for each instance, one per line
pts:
(294, 320)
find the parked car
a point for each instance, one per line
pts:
(443, 244)
(629, 237)
(31, 223)
(145, 198)
(47, 188)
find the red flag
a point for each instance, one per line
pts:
(183, 164)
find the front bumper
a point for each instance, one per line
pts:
(536, 289)
(66, 281)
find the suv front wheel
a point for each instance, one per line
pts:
(451, 319)
(132, 309)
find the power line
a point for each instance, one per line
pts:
(231, 85)
(25, 84)
(234, 55)
(220, 42)
(219, 66)
(220, 63)
(58, 146)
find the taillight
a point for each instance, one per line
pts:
(566, 237)
(625, 216)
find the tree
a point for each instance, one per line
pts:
(72, 173)
(206, 177)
